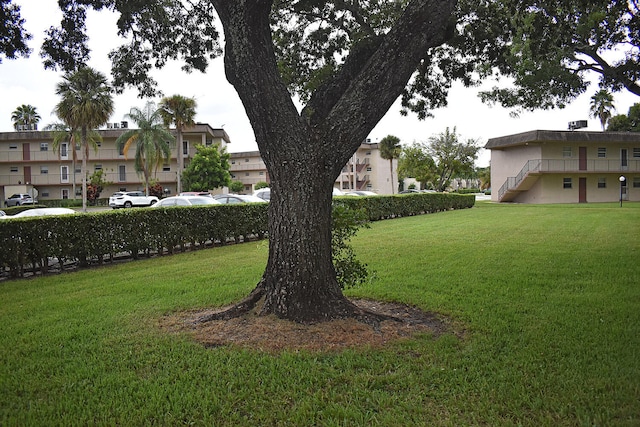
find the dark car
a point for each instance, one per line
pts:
(19, 200)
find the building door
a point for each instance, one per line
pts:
(65, 193)
(582, 190)
(27, 175)
(624, 159)
(582, 158)
(26, 153)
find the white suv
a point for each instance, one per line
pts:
(129, 199)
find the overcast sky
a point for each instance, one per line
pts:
(24, 81)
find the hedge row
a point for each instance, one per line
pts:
(32, 243)
(379, 207)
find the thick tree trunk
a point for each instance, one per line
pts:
(304, 153)
(300, 281)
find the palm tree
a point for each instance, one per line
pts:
(61, 133)
(86, 105)
(25, 115)
(152, 141)
(390, 149)
(602, 106)
(180, 111)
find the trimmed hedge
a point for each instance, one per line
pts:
(385, 207)
(31, 243)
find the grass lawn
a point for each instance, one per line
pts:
(548, 298)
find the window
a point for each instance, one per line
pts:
(45, 194)
(602, 182)
(602, 152)
(13, 147)
(166, 167)
(64, 152)
(368, 168)
(233, 162)
(246, 174)
(121, 151)
(78, 170)
(14, 169)
(44, 146)
(79, 190)
(233, 176)
(566, 152)
(636, 152)
(122, 173)
(246, 160)
(185, 147)
(566, 182)
(261, 173)
(97, 168)
(636, 182)
(64, 173)
(44, 170)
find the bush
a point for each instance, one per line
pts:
(29, 243)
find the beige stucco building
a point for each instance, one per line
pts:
(27, 158)
(365, 171)
(565, 167)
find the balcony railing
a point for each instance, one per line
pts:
(567, 166)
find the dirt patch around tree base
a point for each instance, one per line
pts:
(273, 335)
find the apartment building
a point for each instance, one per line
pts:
(565, 167)
(29, 164)
(366, 170)
(28, 160)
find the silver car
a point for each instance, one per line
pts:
(186, 201)
(19, 200)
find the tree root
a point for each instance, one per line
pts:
(237, 310)
(344, 309)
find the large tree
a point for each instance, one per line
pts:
(152, 141)
(452, 157)
(86, 104)
(416, 162)
(348, 62)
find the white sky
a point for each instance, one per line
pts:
(24, 81)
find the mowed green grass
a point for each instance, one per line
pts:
(545, 301)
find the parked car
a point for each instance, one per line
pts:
(129, 199)
(263, 193)
(228, 199)
(195, 193)
(19, 200)
(360, 193)
(186, 201)
(40, 212)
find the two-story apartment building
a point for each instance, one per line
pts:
(28, 158)
(366, 170)
(565, 167)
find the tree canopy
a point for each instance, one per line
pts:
(626, 123)
(209, 169)
(13, 36)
